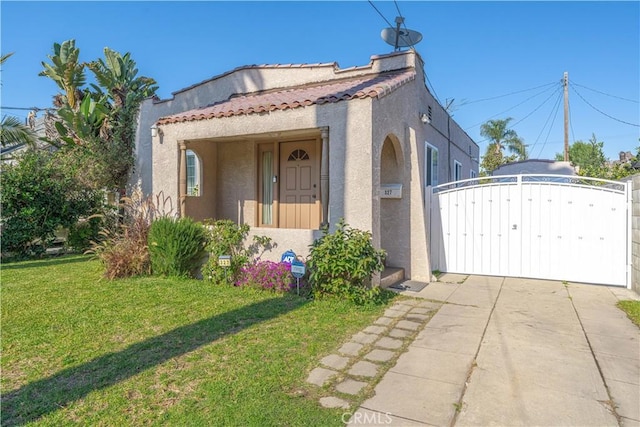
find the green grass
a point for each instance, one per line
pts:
(632, 308)
(80, 349)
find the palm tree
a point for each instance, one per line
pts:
(502, 137)
(12, 130)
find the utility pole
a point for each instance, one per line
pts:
(565, 83)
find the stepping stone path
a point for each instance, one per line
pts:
(360, 363)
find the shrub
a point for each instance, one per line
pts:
(82, 233)
(342, 264)
(38, 196)
(266, 275)
(176, 246)
(122, 247)
(228, 238)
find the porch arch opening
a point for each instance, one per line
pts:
(394, 218)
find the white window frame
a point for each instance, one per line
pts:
(430, 166)
(457, 170)
(473, 174)
(194, 184)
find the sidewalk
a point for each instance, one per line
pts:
(507, 351)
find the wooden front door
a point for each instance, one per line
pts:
(299, 190)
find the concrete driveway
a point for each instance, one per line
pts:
(509, 351)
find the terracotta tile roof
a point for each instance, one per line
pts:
(370, 86)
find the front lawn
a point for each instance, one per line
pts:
(80, 349)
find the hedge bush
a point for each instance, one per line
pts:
(39, 196)
(176, 246)
(342, 263)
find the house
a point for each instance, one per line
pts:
(536, 166)
(288, 148)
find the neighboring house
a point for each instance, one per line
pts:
(627, 158)
(536, 166)
(287, 148)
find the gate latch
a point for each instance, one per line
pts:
(514, 227)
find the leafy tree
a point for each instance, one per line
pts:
(492, 159)
(586, 155)
(590, 158)
(39, 196)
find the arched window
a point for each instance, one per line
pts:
(193, 174)
(297, 155)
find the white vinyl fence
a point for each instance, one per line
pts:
(540, 226)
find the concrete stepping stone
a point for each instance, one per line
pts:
(334, 402)
(334, 361)
(364, 369)
(390, 312)
(415, 317)
(390, 343)
(399, 333)
(378, 355)
(363, 338)
(351, 386)
(383, 321)
(420, 310)
(351, 348)
(373, 329)
(400, 307)
(407, 324)
(319, 376)
(430, 305)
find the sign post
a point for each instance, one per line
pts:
(298, 269)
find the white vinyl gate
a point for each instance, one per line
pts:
(539, 226)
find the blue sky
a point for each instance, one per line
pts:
(472, 51)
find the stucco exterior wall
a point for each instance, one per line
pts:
(359, 160)
(241, 80)
(235, 176)
(635, 234)
(203, 206)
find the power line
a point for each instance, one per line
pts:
(600, 111)
(551, 125)
(397, 8)
(430, 85)
(509, 109)
(507, 94)
(26, 108)
(380, 13)
(603, 93)
(552, 113)
(534, 110)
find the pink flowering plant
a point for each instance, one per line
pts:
(267, 275)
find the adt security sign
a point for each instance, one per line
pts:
(288, 257)
(298, 269)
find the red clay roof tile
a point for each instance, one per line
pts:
(328, 92)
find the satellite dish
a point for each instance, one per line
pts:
(400, 38)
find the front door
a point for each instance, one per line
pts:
(299, 204)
